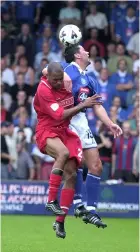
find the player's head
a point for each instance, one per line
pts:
(77, 54)
(55, 75)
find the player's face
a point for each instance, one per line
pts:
(56, 79)
(84, 55)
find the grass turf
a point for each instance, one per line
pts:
(35, 234)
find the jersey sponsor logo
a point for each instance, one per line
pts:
(67, 102)
(83, 94)
(85, 90)
(54, 106)
(82, 97)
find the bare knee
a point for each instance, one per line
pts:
(96, 168)
(93, 162)
(63, 155)
(70, 179)
(70, 173)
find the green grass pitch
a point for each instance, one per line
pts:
(35, 234)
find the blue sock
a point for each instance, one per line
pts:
(78, 188)
(92, 190)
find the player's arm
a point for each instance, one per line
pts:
(101, 112)
(103, 116)
(50, 106)
(86, 104)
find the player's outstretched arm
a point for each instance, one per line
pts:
(103, 116)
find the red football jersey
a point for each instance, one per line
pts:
(49, 105)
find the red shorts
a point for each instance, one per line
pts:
(69, 139)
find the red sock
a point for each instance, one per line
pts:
(54, 184)
(66, 200)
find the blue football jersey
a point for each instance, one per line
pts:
(83, 85)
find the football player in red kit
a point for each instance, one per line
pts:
(54, 106)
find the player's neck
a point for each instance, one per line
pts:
(81, 65)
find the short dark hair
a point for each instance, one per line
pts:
(54, 67)
(69, 53)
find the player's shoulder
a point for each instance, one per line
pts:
(72, 71)
(64, 64)
(44, 87)
(93, 81)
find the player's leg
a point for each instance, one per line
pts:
(66, 197)
(55, 148)
(79, 207)
(79, 180)
(93, 162)
(78, 188)
(73, 144)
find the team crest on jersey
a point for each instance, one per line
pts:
(54, 106)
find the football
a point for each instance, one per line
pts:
(70, 35)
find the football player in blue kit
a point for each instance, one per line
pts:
(83, 86)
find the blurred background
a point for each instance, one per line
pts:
(29, 41)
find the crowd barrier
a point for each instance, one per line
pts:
(24, 197)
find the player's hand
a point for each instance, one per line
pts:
(93, 100)
(116, 130)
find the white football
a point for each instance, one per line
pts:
(70, 35)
